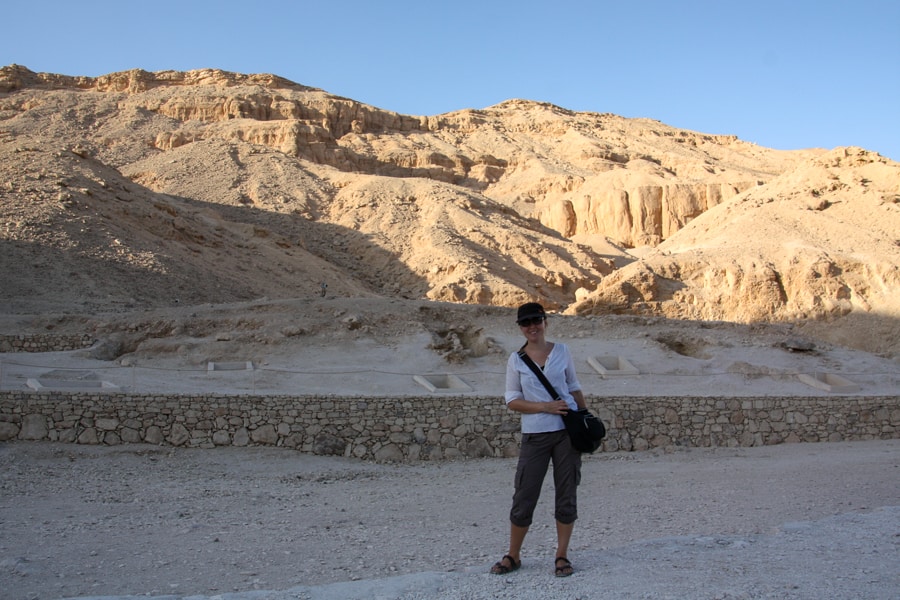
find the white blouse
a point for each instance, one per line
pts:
(522, 383)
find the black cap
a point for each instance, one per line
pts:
(530, 310)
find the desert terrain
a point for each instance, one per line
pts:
(139, 190)
(180, 218)
(792, 521)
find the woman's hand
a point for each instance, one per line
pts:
(557, 407)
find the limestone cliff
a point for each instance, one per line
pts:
(141, 188)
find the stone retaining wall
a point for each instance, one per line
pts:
(411, 429)
(44, 342)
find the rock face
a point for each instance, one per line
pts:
(814, 246)
(141, 189)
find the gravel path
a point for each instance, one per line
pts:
(790, 521)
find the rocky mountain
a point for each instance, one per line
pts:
(149, 190)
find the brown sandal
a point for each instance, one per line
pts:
(500, 569)
(565, 569)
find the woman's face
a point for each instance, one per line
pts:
(533, 328)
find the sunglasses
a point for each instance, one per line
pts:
(531, 321)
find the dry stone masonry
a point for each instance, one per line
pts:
(432, 428)
(38, 342)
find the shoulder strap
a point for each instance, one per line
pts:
(537, 371)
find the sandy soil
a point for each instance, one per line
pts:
(789, 521)
(376, 346)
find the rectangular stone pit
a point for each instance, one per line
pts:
(829, 382)
(612, 366)
(70, 385)
(442, 382)
(230, 366)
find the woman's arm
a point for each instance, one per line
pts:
(572, 381)
(579, 398)
(556, 407)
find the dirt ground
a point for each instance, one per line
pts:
(787, 521)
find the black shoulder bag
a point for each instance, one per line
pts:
(585, 430)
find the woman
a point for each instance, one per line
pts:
(544, 438)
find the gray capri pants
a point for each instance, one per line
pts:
(537, 450)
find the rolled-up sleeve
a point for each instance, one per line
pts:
(513, 380)
(572, 383)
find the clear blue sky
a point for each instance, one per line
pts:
(784, 74)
